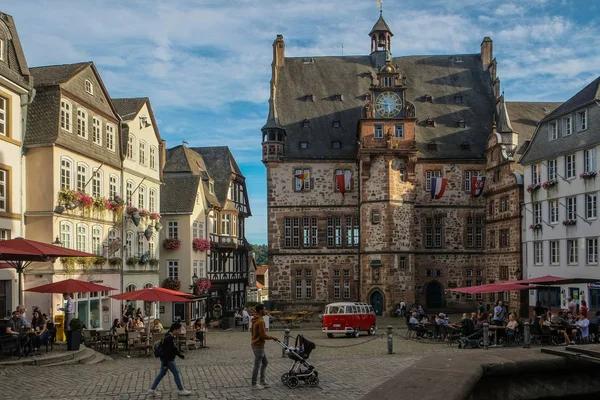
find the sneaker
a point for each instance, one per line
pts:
(153, 393)
(184, 392)
(264, 383)
(257, 386)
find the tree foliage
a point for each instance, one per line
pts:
(260, 254)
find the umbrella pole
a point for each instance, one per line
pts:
(20, 271)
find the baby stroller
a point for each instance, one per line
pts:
(301, 370)
(471, 337)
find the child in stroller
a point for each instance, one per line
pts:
(301, 370)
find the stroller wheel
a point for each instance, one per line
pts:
(292, 382)
(313, 380)
(284, 378)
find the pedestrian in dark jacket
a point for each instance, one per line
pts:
(259, 335)
(169, 350)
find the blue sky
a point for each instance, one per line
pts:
(206, 64)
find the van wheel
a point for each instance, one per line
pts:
(372, 330)
(330, 335)
(356, 332)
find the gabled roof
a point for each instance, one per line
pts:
(129, 107)
(15, 68)
(220, 164)
(585, 96)
(52, 75)
(381, 25)
(261, 269)
(178, 195)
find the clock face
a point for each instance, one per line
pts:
(388, 104)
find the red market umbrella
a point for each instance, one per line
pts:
(70, 286)
(493, 288)
(19, 253)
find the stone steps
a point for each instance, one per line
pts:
(82, 356)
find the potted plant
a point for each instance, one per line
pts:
(68, 264)
(115, 261)
(132, 261)
(99, 261)
(74, 335)
(171, 244)
(201, 244)
(153, 262)
(171, 283)
(587, 175)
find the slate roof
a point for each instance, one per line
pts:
(541, 148)
(129, 107)
(15, 66)
(43, 118)
(220, 164)
(52, 75)
(178, 195)
(442, 77)
(381, 25)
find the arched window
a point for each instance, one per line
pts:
(129, 244)
(153, 152)
(82, 171)
(66, 234)
(97, 183)
(131, 288)
(97, 240)
(143, 152)
(131, 146)
(113, 235)
(66, 173)
(110, 137)
(129, 192)
(97, 131)
(113, 186)
(82, 117)
(142, 197)
(66, 115)
(82, 240)
(148, 285)
(152, 201)
(140, 246)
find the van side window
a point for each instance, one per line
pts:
(348, 309)
(362, 310)
(371, 310)
(354, 310)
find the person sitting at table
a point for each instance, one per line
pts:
(483, 319)
(583, 308)
(442, 321)
(116, 324)
(138, 323)
(156, 324)
(582, 325)
(415, 322)
(558, 324)
(200, 329)
(511, 326)
(40, 333)
(538, 310)
(14, 328)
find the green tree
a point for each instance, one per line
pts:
(261, 254)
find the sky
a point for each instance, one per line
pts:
(206, 65)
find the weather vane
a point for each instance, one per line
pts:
(380, 5)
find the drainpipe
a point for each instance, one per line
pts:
(358, 285)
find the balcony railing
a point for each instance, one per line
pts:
(227, 241)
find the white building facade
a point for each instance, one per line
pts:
(560, 215)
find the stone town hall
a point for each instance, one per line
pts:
(352, 145)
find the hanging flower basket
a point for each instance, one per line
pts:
(201, 244)
(170, 283)
(99, 204)
(201, 286)
(158, 226)
(132, 261)
(535, 227)
(130, 210)
(99, 260)
(144, 213)
(142, 224)
(533, 187)
(171, 244)
(149, 232)
(569, 222)
(115, 261)
(154, 216)
(153, 262)
(84, 200)
(66, 196)
(548, 184)
(587, 175)
(135, 217)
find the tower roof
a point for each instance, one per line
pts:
(381, 26)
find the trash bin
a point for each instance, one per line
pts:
(59, 323)
(228, 319)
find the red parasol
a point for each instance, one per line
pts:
(493, 288)
(70, 286)
(153, 294)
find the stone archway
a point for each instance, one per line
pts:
(434, 295)
(376, 301)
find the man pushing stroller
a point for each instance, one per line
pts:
(259, 335)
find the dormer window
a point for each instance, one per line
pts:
(427, 98)
(465, 146)
(367, 74)
(89, 87)
(308, 60)
(211, 187)
(306, 123)
(430, 122)
(458, 99)
(309, 97)
(461, 123)
(336, 144)
(336, 124)
(432, 145)
(338, 97)
(304, 145)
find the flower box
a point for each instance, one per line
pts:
(130, 210)
(171, 283)
(132, 261)
(535, 227)
(569, 222)
(171, 244)
(201, 244)
(548, 184)
(154, 216)
(201, 286)
(533, 187)
(587, 175)
(144, 213)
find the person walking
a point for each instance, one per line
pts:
(259, 335)
(169, 350)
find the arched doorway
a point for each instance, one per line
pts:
(433, 295)
(376, 301)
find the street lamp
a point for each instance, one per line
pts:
(57, 241)
(194, 279)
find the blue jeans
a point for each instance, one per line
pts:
(260, 362)
(164, 368)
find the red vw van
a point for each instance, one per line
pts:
(349, 318)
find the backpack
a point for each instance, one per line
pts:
(158, 347)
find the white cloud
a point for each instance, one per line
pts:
(508, 9)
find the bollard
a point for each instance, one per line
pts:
(486, 336)
(526, 335)
(390, 340)
(286, 341)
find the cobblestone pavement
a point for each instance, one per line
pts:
(223, 370)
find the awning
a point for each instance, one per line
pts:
(492, 288)
(375, 263)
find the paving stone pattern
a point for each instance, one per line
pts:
(223, 371)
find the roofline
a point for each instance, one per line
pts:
(367, 56)
(550, 117)
(83, 65)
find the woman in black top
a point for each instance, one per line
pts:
(40, 333)
(169, 350)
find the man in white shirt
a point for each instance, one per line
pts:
(583, 324)
(69, 310)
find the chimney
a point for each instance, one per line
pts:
(486, 52)
(278, 51)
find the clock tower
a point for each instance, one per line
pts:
(387, 156)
